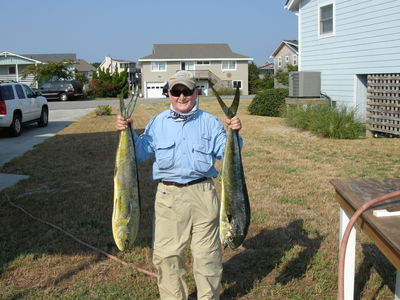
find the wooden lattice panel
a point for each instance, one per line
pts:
(383, 103)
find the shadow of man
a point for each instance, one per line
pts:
(373, 258)
(263, 253)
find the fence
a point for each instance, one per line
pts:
(383, 103)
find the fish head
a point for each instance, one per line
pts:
(122, 238)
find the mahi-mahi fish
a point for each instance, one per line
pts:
(235, 207)
(126, 210)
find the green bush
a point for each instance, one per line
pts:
(268, 102)
(328, 121)
(103, 110)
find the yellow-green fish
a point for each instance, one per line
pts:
(234, 218)
(126, 210)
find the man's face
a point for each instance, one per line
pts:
(180, 102)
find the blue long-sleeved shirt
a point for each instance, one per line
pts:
(183, 151)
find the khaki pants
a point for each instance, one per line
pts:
(181, 212)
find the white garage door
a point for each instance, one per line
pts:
(203, 86)
(154, 89)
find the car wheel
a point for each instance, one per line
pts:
(63, 97)
(44, 117)
(16, 125)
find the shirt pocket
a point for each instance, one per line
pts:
(165, 155)
(202, 155)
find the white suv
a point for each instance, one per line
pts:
(20, 105)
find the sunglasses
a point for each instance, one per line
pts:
(185, 92)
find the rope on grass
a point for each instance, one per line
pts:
(114, 258)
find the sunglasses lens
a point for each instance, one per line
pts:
(185, 93)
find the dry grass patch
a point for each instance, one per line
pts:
(289, 253)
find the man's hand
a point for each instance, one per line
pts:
(121, 123)
(234, 123)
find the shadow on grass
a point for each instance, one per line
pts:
(71, 185)
(373, 258)
(263, 253)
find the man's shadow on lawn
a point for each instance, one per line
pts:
(263, 253)
(373, 258)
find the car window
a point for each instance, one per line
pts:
(46, 85)
(20, 92)
(29, 93)
(6, 92)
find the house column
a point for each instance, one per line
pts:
(16, 72)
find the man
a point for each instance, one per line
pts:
(185, 141)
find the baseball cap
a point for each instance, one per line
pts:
(185, 78)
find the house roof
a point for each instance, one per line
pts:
(266, 65)
(291, 44)
(292, 5)
(83, 66)
(6, 53)
(193, 52)
(51, 57)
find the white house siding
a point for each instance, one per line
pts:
(366, 41)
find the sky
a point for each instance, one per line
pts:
(127, 29)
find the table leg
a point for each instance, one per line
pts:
(397, 292)
(349, 263)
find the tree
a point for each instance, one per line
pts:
(96, 64)
(282, 76)
(81, 77)
(254, 79)
(53, 70)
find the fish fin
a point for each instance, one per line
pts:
(235, 104)
(132, 103)
(231, 111)
(122, 104)
(229, 216)
(221, 103)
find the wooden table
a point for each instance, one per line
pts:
(383, 231)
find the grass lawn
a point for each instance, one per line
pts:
(291, 251)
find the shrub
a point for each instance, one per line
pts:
(101, 88)
(103, 110)
(268, 102)
(328, 121)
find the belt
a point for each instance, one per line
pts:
(184, 184)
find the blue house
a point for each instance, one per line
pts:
(356, 47)
(12, 65)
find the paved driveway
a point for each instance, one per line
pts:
(60, 116)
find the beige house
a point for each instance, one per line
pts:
(114, 64)
(215, 63)
(285, 54)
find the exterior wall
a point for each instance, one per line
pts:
(283, 52)
(241, 72)
(20, 64)
(366, 41)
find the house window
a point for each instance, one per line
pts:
(237, 83)
(12, 70)
(228, 65)
(204, 63)
(280, 62)
(158, 66)
(326, 20)
(286, 59)
(188, 65)
(294, 60)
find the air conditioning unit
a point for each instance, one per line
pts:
(305, 84)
